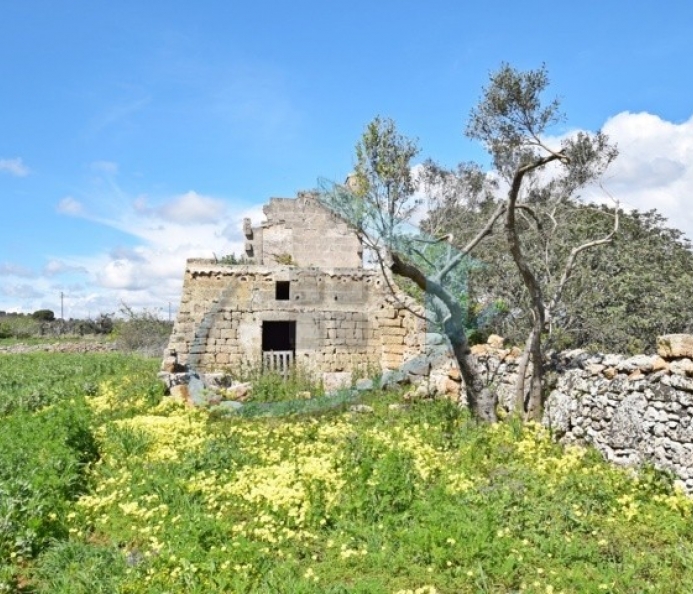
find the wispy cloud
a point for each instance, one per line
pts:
(107, 167)
(21, 291)
(9, 269)
(255, 100)
(166, 232)
(70, 206)
(189, 208)
(117, 114)
(56, 267)
(14, 167)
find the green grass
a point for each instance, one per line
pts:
(155, 498)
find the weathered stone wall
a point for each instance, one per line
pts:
(304, 232)
(634, 410)
(345, 318)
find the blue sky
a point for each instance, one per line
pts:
(136, 134)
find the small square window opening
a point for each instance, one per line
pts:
(282, 292)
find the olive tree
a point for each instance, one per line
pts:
(512, 121)
(378, 200)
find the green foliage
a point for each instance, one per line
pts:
(42, 467)
(271, 386)
(80, 568)
(383, 185)
(19, 327)
(41, 327)
(380, 481)
(620, 296)
(285, 259)
(32, 381)
(47, 447)
(233, 260)
(511, 107)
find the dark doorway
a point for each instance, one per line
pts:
(278, 336)
(278, 347)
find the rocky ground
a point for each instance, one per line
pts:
(82, 346)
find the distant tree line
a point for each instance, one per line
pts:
(43, 323)
(142, 331)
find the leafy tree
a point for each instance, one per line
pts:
(619, 297)
(141, 331)
(511, 121)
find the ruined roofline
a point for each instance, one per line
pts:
(212, 265)
(309, 196)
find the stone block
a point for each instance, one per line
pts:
(675, 346)
(398, 349)
(682, 367)
(391, 331)
(495, 341)
(393, 340)
(390, 322)
(336, 380)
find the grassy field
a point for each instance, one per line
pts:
(107, 487)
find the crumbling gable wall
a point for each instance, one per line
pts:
(300, 231)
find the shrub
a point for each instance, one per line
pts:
(143, 331)
(43, 315)
(20, 327)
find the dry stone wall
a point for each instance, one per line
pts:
(634, 410)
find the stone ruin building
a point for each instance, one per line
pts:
(301, 297)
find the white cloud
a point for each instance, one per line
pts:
(121, 274)
(70, 206)
(21, 291)
(14, 167)
(654, 168)
(150, 272)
